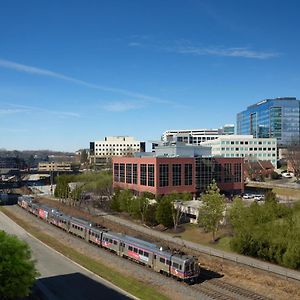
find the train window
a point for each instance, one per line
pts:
(141, 252)
(129, 248)
(175, 265)
(162, 260)
(146, 254)
(154, 256)
(135, 250)
(168, 262)
(115, 242)
(110, 240)
(180, 267)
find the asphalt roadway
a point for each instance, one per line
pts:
(60, 278)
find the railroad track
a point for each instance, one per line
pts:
(229, 291)
(243, 293)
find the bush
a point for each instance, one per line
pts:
(275, 175)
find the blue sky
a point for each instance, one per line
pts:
(75, 71)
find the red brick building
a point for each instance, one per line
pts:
(164, 175)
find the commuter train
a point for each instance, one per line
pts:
(173, 264)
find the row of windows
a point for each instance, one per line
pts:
(247, 149)
(77, 227)
(109, 240)
(130, 170)
(248, 142)
(117, 145)
(168, 262)
(139, 251)
(249, 155)
(176, 174)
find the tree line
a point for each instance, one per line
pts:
(161, 211)
(269, 231)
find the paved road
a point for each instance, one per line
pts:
(60, 277)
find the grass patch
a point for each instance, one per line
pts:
(129, 284)
(287, 192)
(195, 234)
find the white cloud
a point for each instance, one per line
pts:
(186, 47)
(134, 44)
(33, 109)
(121, 106)
(43, 72)
(9, 111)
(227, 52)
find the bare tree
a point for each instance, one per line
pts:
(293, 158)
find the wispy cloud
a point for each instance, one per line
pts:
(13, 130)
(9, 111)
(186, 47)
(44, 72)
(134, 44)
(121, 106)
(18, 108)
(220, 51)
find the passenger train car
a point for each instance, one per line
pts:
(182, 267)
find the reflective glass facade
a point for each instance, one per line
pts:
(278, 118)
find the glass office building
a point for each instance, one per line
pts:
(276, 118)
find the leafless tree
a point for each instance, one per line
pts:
(293, 158)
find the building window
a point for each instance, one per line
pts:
(227, 172)
(188, 174)
(134, 174)
(150, 175)
(163, 175)
(176, 168)
(237, 173)
(122, 172)
(128, 173)
(218, 172)
(143, 174)
(116, 172)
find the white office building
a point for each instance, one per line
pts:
(246, 146)
(196, 136)
(101, 151)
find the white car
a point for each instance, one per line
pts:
(287, 175)
(259, 197)
(248, 196)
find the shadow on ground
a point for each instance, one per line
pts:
(206, 274)
(75, 286)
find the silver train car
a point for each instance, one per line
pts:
(172, 264)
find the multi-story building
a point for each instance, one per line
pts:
(54, 167)
(177, 171)
(275, 118)
(246, 146)
(196, 136)
(102, 151)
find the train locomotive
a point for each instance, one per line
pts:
(173, 264)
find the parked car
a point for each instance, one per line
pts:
(259, 197)
(248, 196)
(287, 175)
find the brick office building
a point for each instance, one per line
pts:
(164, 175)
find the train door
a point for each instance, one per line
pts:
(121, 248)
